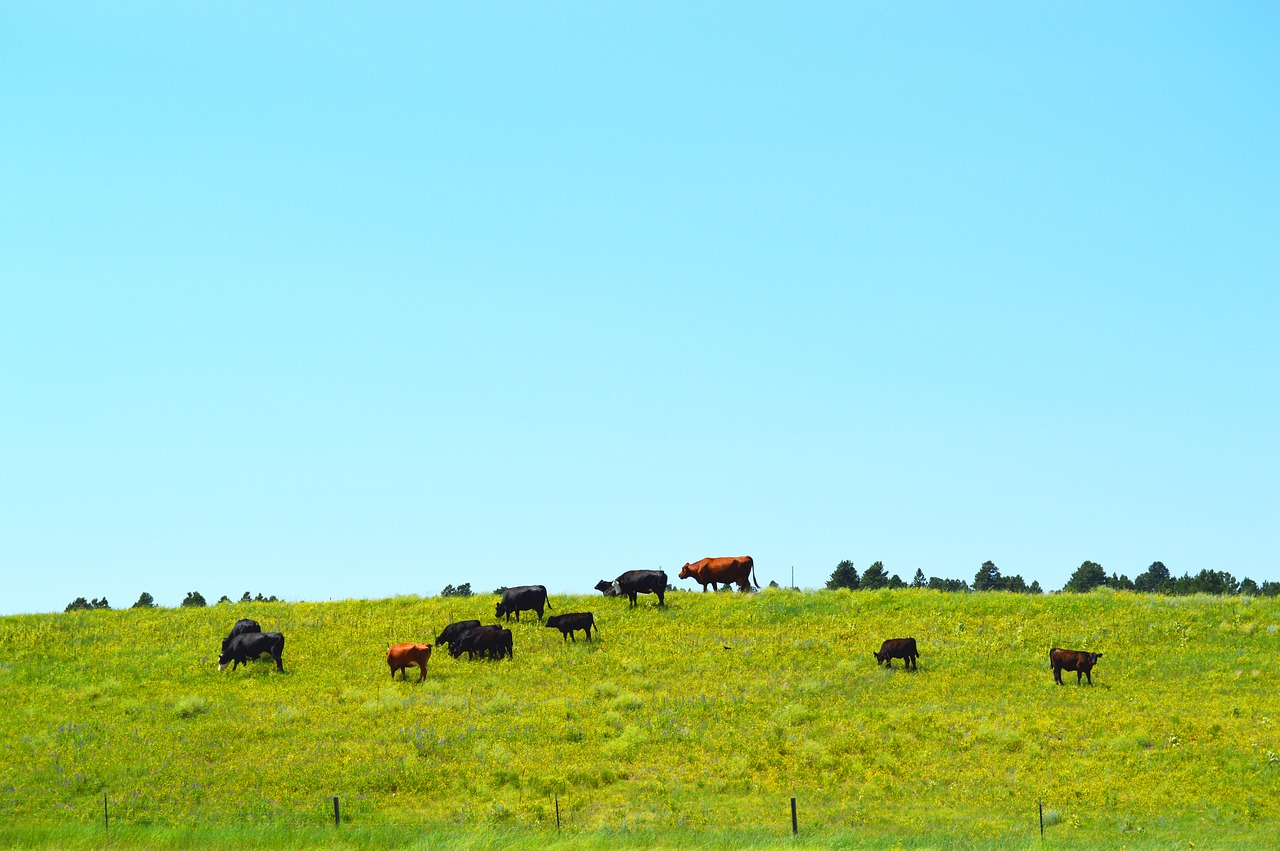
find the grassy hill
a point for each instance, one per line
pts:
(694, 723)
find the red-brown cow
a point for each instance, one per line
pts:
(401, 657)
(897, 648)
(717, 571)
(1080, 661)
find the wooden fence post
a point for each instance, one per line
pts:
(106, 817)
(1042, 821)
(795, 828)
(557, 811)
(337, 819)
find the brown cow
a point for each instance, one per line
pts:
(401, 657)
(897, 648)
(1080, 661)
(726, 571)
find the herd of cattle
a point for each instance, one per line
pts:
(247, 640)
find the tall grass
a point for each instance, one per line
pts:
(693, 724)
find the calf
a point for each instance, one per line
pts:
(241, 626)
(573, 621)
(605, 587)
(898, 648)
(1080, 661)
(453, 632)
(403, 656)
(252, 645)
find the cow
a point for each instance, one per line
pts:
(726, 571)
(567, 624)
(522, 598)
(252, 645)
(1080, 661)
(241, 626)
(451, 633)
(401, 657)
(605, 587)
(492, 641)
(635, 582)
(897, 648)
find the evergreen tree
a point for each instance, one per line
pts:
(875, 577)
(1088, 575)
(1248, 586)
(78, 603)
(1155, 580)
(988, 578)
(194, 598)
(145, 601)
(844, 576)
(1035, 588)
(919, 581)
(245, 598)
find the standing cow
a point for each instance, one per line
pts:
(453, 632)
(241, 626)
(567, 624)
(897, 648)
(522, 598)
(721, 571)
(401, 657)
(635, 582)
(1080, 661)
(252, 645)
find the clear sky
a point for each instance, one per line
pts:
(332, 301)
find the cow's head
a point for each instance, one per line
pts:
(685, 572)
(499, 610)
(224, 659)
(606, 587)
(879, 657)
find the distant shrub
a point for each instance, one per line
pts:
(194, 598)
(463, 590)
(190, 706)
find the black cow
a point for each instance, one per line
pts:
(897, 648)
(605, 587)
(453, 632)
(492, 641)
(635, 582)
(243, 625)
(1080, 661)
(253, 645)
(522, 598)
(567, 624)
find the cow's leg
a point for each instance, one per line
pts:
(661, 602)
(423, 675)
(1089, 675)
(1057, 675)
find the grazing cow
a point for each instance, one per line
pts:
(253, 645)
(453, 631)
(492, 641)
(635, 582)
(605, 587)
(522, 598)
(897, 648)
(403, 656)
(573, 621)
(242, 625)
(721, 571)
(1080, 661)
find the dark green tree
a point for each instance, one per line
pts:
(1154, 580)
(500, 590)
(1088, 575)
(145, 601)
(194, 598)
(463, 590)
(246, 597)
(937, 583)
(100, 604)
(844, 576)
(988, 578)
(78, 603)
(1249, 587)
(1035, 588)
(919, 580)
(875, 577)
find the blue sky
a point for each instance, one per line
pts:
(330, 302)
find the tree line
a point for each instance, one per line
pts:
(1156, 579)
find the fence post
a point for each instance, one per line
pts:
(1042, 821)
(106, 817)
(337, 820)
(557, 811)
(795, 828)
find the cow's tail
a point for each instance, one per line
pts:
(753, 574)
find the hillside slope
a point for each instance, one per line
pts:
(708, 714)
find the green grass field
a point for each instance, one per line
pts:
(692, 725)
